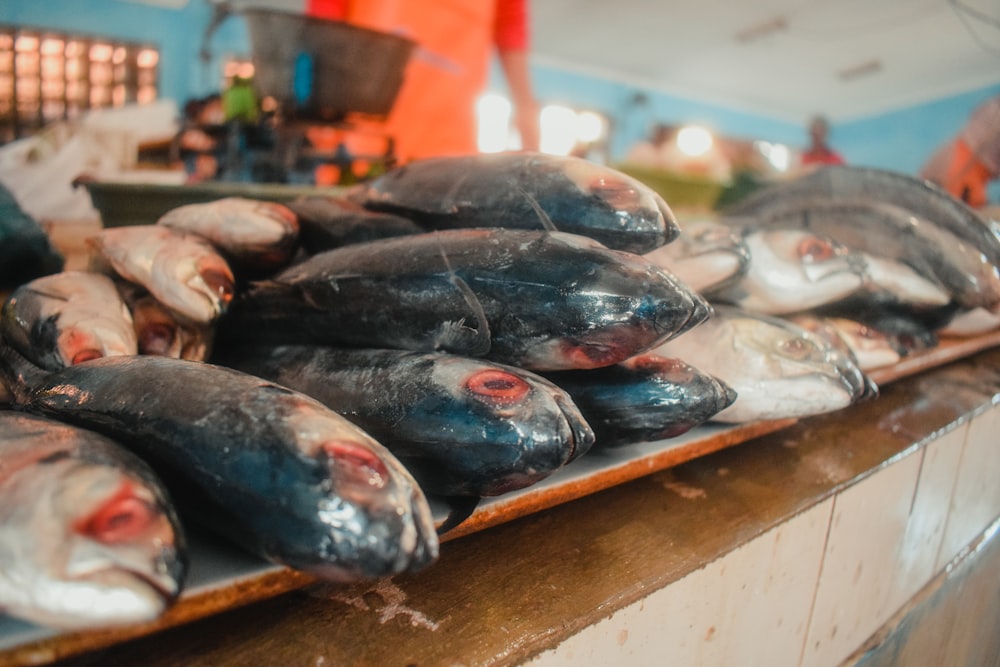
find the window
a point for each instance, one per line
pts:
(47, 76)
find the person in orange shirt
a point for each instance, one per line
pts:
(435, 111)
(965, 165)
(819, 152)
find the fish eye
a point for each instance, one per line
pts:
(814, 249)
(122, 517)
(357, 462)
(497, 386)
(796, 348)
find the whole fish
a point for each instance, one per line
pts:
(159, 331)
(792, 270)
(26, 252)
(525, 191)
(843, 183)
(778, 370)
(260, 236)
(330, 222)
(904, 242)
(647, 397)
(67, 317)
(706, 256)
(88, 537)
(182, 270)
(268, 467)
(536, 300)
(463, 427)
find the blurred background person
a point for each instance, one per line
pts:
(965, 164)
(435, 112)
(819, 152)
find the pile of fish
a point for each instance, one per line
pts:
(299, 378)
(874, 260)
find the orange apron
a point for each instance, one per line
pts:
(435, 112)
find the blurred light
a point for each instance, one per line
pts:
(26, 43)
(777, 154)
(52, 46)
(558, 130)
(494, 113)
(589, 127)
(694, 141)
(148, 58)
(245, 71)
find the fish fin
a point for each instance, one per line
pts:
(483, 338)
(460, 508)
(546, 221)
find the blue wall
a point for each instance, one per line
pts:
(901, 140)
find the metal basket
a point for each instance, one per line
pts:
(321, 69)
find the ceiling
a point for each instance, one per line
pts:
(786, 59)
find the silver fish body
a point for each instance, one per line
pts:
(526, 191)
(182, 270)
(268, 467)
(778, 370)
(88, 536)
(68, 317)
(536, 300)
(258, 235)
(464, 427)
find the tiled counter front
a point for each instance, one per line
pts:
(790, 549)
(813, 589)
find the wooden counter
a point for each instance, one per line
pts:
(512, 592)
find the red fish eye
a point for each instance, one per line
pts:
(497, 386)
(815, 249)
(356, 461)
(122, 517)
(85, 355)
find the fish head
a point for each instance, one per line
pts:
(794, 270)
(788, 372)
(872, 348)
(110, 546)
(706, 256)
(903, 284)
(621, 203)
(159, 332)
(507, 428)
(373, 519)
(702, 395)
(611, 306)
(192, 280)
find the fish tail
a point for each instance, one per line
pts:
(18, 375)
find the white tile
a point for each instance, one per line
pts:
(863, 561)
(919, 551)
(750, 607)
(976, 499)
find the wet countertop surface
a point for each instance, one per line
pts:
(503, 595)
